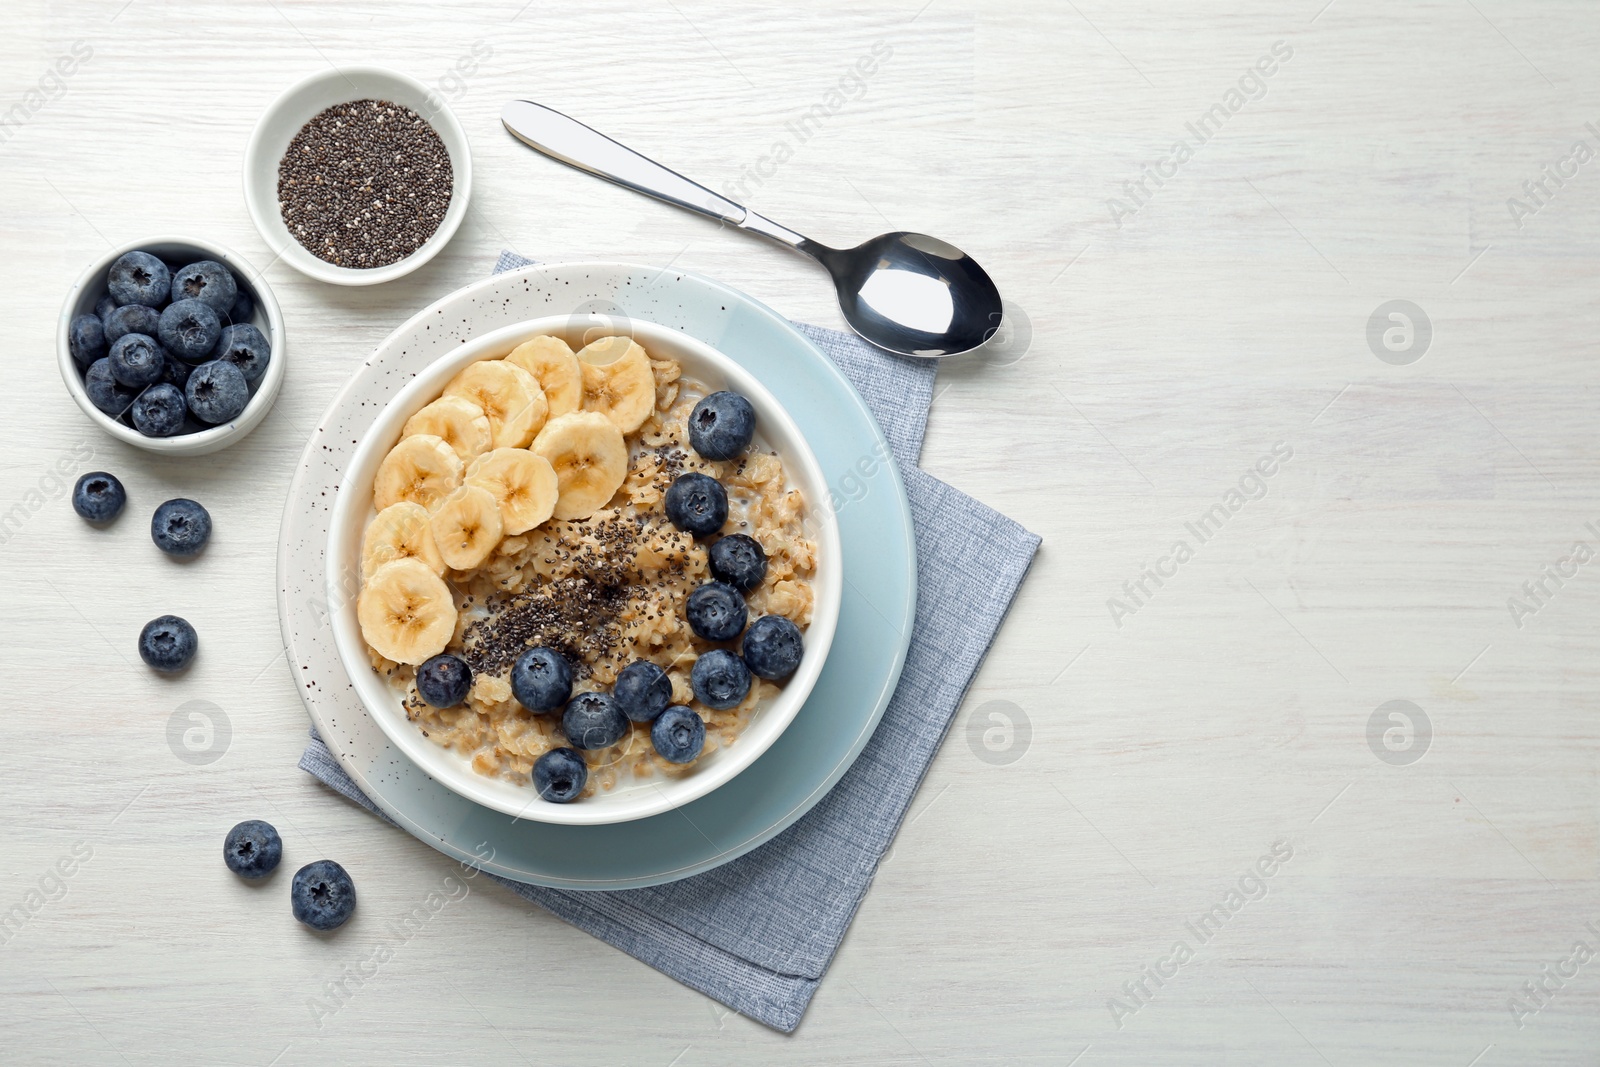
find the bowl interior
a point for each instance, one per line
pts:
(298, 105)
(178, 252)
(631, 799)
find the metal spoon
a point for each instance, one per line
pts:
(904, 292)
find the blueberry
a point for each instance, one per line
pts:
(136, 360)
(208, 282)
(739, 560)
(679, 734)
(772, 647)
(443, 681)
(175, 371)
(721, 425)
(593, 720)
(243, 309)
(560, 775)
(322, 895)
(105, 392)
(159, 411)
(98, 497)
(86, 338)
(190, 330)
(642, 690)
(716, 611)
(216, 392)
(253, 849)
(132, 318)
(697, 503)
(180, 527)
(246, 348)
(541, 680)
(168, 644)
(720, 679)
(139, 278)
(103, 308)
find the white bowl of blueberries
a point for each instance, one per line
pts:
(173, 345)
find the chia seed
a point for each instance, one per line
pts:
(364, 184)
(580, 615)
(576, 616)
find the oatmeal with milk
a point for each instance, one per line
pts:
(580, 568)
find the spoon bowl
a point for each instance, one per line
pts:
(914, 295)
(907, 293)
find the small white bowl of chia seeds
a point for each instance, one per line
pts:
(358, 175)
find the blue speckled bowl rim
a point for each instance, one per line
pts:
(844, 708)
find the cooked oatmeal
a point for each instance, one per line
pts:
(605, 590)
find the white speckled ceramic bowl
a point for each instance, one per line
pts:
(297, 105)
(178, 252)
(876, 613)
(632, 798)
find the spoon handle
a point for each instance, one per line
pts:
(570, 141)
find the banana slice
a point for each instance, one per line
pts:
(508, 395)
(455, 420)
(421, 469)
(467, 527)
(590, 460)
(523, 483)
(406, 611)
(399, 532)
(555, 368)
(618, 382)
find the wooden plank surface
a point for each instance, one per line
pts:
(1173, 339)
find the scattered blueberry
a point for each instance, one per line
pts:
(105, 392)
(86, 338)
(772, 647)
(103, 309)
(136, 360)
(541, 680)
(139, 278)
(443, 681)
(132, 318)
(217, 392)
(696, 503)
(207, 281)
(168, 644)
(721, 425)
(175, 371)
(253, 849)
(246, 348)
(739, 560)
(593, 720)
(642, 690)
(159, 410)
(190, 329)
(322, 895)
(679, 734)
(98, 497)
(180, 527)
(243, 309)
(560, 775)
(716, 611)
(720, 679)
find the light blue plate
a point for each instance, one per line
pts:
(832, 728)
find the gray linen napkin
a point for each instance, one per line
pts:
(759, 932)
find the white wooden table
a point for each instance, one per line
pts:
(1177, 337)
